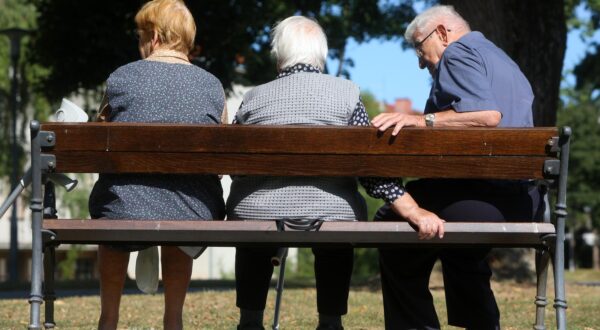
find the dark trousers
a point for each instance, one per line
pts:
(405, 272)
(333, 269)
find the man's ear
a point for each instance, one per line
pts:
(443, 33)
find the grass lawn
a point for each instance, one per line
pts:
(212, 309)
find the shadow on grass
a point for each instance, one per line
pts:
(81, 288)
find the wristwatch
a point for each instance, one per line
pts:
(429, 119)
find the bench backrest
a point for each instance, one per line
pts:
(522, 153)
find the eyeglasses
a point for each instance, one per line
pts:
(419, 44)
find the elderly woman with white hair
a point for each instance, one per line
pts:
(302, 95)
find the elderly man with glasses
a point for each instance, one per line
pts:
(474, 84)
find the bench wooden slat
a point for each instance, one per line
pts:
(495, 167)
(298, 139)
(232, 233)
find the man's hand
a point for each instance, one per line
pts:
(399, 120)
(429, 224)
(447, 118)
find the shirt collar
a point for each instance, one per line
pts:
(300, 67)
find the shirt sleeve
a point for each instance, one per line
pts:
(462, 82)
(388, 189)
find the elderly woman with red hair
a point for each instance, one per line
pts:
(162, 88)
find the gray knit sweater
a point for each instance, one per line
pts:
(297, 99)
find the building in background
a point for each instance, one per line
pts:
(402, 105)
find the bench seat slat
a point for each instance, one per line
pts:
(232, 233)
(285, 139)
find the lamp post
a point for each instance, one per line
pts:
(15, 35)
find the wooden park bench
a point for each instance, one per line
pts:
(527, 153)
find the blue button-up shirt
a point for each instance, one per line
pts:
(473, 75)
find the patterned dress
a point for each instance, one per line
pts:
(157, 92)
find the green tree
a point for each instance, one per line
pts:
(372, 106)
(587, 71)
(16, 14)
(581, 111)
(81, 42)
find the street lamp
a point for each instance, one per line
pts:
(15, 35)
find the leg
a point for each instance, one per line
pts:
(253, 271)
(405, 273)
(113, 268)
(469, 298)
(333, 270)
(176, 273)
(542, 258)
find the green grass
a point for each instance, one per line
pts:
(212, 309)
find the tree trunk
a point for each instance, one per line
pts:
(534, 35)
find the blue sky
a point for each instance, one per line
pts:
(389, 72)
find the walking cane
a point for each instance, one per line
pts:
(279, 260)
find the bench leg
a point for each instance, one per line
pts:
(560, 212)
(560, 301)
(542, 259)
(49, 295)
(35, 296)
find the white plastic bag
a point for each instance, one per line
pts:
(146, 270)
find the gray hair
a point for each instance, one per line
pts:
(298, 39)
(429, 19)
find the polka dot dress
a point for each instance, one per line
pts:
(158, 92)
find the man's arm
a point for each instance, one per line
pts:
(448, 118)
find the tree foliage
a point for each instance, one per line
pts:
(581, 112)
(371, 104)
(587, 71)
(16, 14)
(82, 42)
